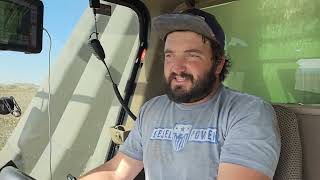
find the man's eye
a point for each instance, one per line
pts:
(167, 55)
(192, 55)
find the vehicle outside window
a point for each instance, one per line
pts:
(274, 48)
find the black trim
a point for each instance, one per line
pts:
(144, 27)
(10, 163)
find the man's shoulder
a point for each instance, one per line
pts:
(232, 94)
(243, 100)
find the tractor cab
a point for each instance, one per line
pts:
(113, 62)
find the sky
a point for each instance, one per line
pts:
(60, 17)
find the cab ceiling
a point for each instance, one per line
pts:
(165, 6)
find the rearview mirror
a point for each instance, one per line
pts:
(21, 25)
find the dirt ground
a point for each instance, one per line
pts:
(23, 94)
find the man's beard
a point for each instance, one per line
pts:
(200, 89)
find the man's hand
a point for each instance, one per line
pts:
(121, 167)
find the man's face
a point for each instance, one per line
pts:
(188, 69)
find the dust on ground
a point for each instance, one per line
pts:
(23, 94)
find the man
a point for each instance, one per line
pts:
(199, 129)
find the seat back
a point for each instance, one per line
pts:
(309, 125)
(290, 162)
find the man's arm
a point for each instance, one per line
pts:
(121, 167)
(252, 143)
(228, 171)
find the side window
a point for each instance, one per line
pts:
(83, 105)
(274, 48)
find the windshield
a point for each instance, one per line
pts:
(274, 48)
(82, 103)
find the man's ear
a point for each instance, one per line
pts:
(219, 65)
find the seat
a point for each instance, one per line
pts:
(290, 162)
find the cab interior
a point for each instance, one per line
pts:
(270, 44)
(274, 50)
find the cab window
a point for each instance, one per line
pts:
(274, 48)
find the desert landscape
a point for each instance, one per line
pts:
(23, 94)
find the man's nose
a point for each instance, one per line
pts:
(179, 64)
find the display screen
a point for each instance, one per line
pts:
(21, 23)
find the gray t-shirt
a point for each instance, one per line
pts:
(179, 142)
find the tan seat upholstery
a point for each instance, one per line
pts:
(290, 162)
(309, 126)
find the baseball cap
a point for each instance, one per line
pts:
(194, 20)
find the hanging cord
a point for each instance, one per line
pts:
(98, 51)
(120, 99)
(49, 100)
(95, 22)
(95, 25)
